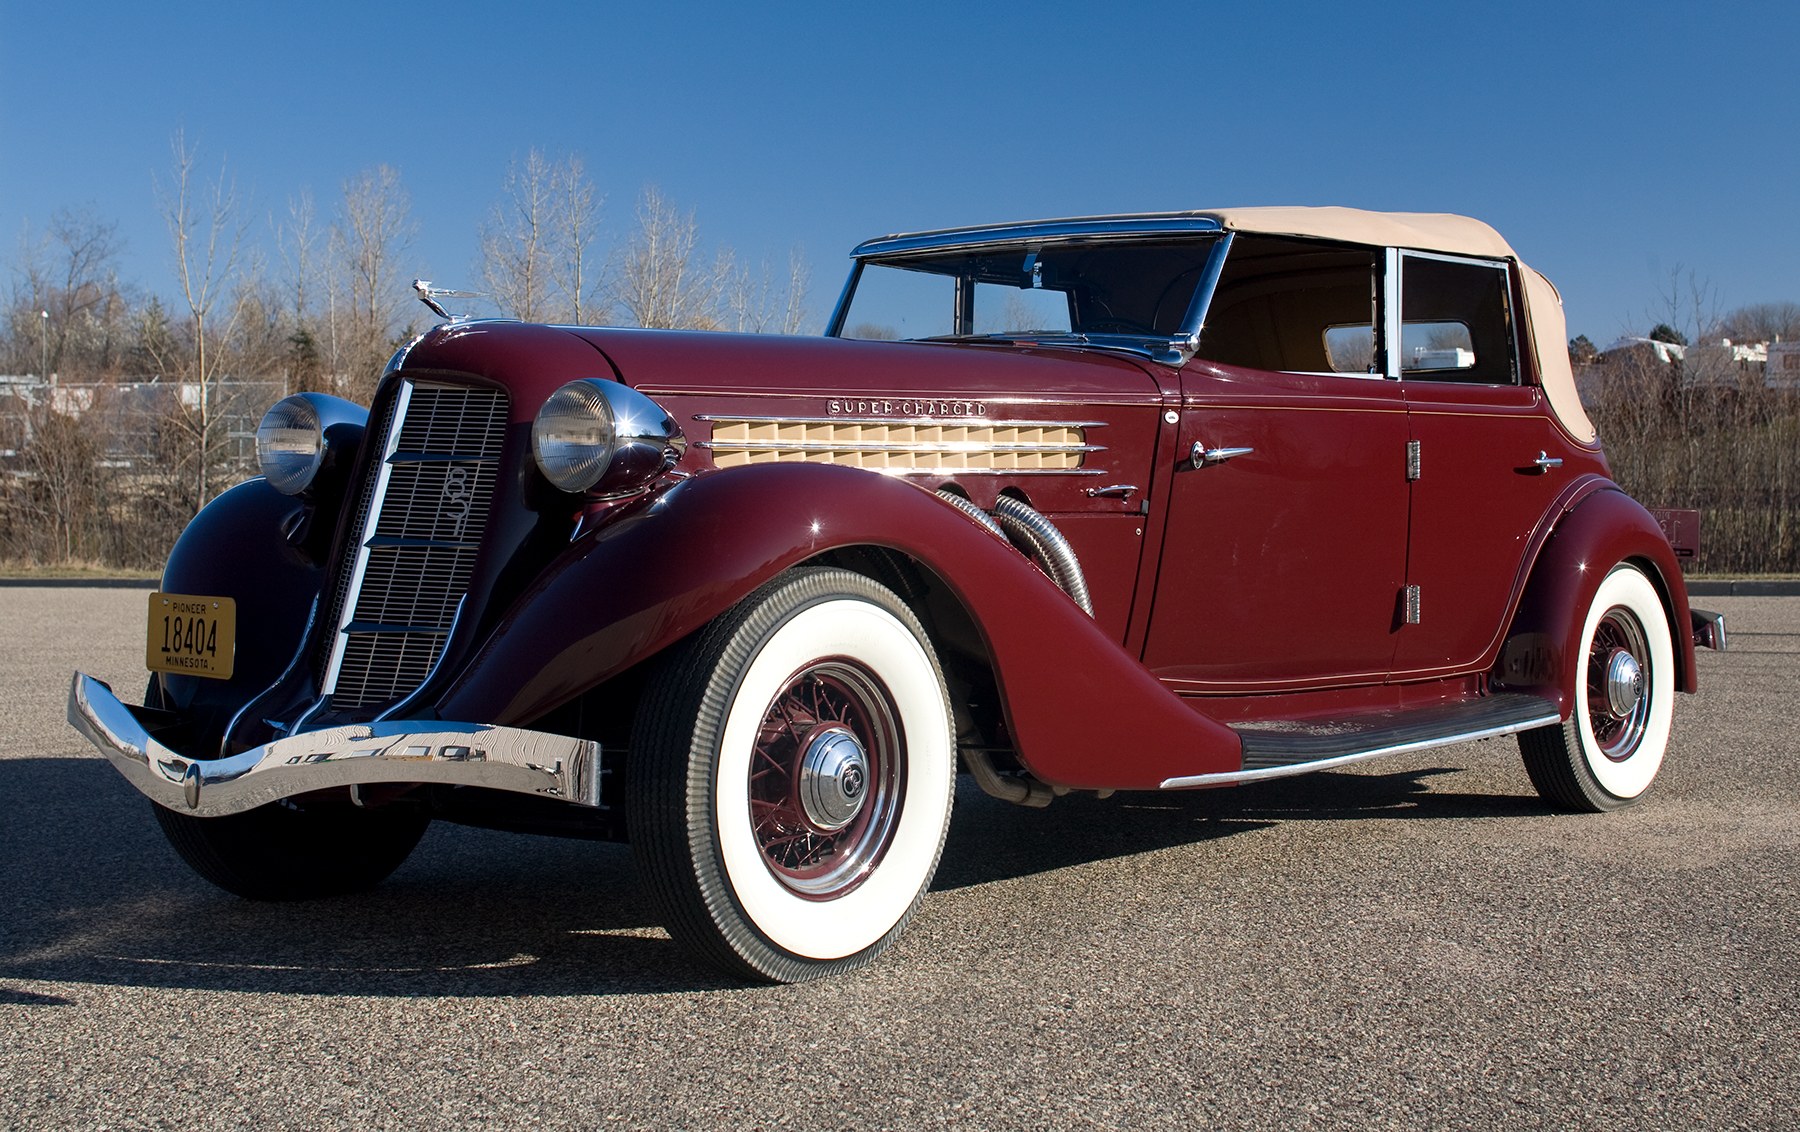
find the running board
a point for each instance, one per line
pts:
(1276, 750)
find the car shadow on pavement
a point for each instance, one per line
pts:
(993, 840)
(92, 893)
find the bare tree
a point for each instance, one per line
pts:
(306, 360)
(799, 281)
(659, 279)
(516, 242)
(208, 237)
(573, 231)
(372, 231)
(759, 305)
(1760, 322)
(68, 314)
(1689, 307)
(52, 504)
(297, 243)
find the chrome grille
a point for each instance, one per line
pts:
(419, 528)
(359, 521)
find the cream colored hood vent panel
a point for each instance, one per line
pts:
(922, 446)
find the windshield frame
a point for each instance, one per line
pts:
(896, 252)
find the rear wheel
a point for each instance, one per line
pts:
(790, 778)
(1609, 750)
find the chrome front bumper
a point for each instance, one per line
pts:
(458, 754)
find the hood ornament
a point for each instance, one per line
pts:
(430, 295)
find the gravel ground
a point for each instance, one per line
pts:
(1418, 943)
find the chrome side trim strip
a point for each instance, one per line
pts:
(879, 446)
(949, 470)
(943, 422)
(1235, 777)
(353, 591)
(402, 751)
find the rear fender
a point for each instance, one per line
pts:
(1082, 712)
(1542, 652)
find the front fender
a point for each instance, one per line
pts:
(1542, 652)
(241, 545)
(1082, 712)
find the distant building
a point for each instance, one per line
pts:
(1723, 365)
(1782, 369)
(1715, 365)
(129, 414)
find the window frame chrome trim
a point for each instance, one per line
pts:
(1077, 228)
(1180, 348)
(1393, 320)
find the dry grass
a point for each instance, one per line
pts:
(1732, 453)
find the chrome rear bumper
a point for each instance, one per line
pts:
(459, 754)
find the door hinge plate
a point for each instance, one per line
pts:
(1412, 460)
(1410, 601)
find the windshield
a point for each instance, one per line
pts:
(1117, 289)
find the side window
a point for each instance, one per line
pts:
(1350, 347)
(1455, 321)
(1296, 306)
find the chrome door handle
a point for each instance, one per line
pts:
(1201, 455)
(1118, 490)
(1545, 461)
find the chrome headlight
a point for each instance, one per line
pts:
(292, 441)
(599, 436)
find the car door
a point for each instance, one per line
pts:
(1484, 456)
(1284, 550)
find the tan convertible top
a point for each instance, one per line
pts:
(1439, 232)
(1418, 231)
(1426, 231)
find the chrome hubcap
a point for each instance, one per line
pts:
(1624, 683)
(826, 779)
(1618, 684)
(834, 778)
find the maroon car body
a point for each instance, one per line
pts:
(1141, 503)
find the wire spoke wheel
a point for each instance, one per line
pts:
(789, 780)
(1618, 709)
(1609, 750)
(825, 779)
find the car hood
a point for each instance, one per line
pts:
(664, 362)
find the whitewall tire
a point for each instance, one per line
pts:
(1610, 749)
(790, 778)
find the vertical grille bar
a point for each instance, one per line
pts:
(419, 529)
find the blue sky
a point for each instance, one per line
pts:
(1611, 143)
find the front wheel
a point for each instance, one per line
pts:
(790, 778)
(1608, 751)
(293, 850)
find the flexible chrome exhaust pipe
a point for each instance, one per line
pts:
(1038, 537)
(967, 507)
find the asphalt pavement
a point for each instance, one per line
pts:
(1415, 943)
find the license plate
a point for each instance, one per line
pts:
(195, 636)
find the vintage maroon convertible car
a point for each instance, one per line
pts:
(1129, 503)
